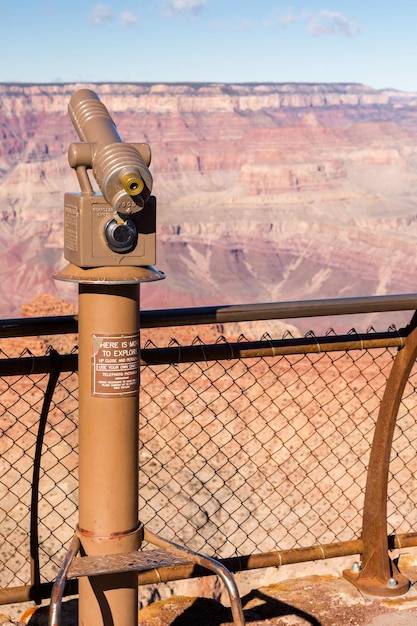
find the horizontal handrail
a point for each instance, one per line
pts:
(66, 324)
(222, 350)
(278, 310)
(36, 326)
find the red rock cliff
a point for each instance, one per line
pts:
(265, 192)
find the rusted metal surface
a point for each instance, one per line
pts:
(379, 575)
(164, 572)
(126, 275)
(270, 348)
(167, 554)
(59, 586)
(131, 562)
(272, 559)
(253, 561)
(100, 565)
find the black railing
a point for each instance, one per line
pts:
(291, 410)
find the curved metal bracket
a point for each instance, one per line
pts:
(209, 563)
(378, 575)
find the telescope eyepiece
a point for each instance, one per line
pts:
(132, 184)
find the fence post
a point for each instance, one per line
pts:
(378, 574)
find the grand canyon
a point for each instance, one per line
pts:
(266, 192)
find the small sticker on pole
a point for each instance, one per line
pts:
(115, 365)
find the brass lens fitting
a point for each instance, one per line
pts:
(132, 184)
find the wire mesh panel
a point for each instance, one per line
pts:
(271, 453)
(58, 485)
(21, 403)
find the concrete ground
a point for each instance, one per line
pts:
(308, 601)
(315, 599)
(312, 600)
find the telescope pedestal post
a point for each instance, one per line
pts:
(109, 358)
(108, 448)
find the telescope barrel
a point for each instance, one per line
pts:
(120, 170)
(91, 119)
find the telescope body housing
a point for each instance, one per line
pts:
(118, 226)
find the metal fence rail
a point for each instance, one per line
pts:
(247, 449)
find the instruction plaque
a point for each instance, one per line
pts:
(115, 365)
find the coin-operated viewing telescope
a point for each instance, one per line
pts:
(116, 227)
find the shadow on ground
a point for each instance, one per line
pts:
(308, 601)
(207, 612)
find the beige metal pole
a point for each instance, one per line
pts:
(110, 243)
(108, 446)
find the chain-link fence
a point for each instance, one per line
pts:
(236, 455)
(261, 454)
(38, 483)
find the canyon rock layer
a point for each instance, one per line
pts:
(266, 192)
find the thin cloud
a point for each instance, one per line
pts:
(330, 23)
(102, 13)
(172, 8)
(128, 19)
(320, 23)
(282, 19)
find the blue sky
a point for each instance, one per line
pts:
(366, 41)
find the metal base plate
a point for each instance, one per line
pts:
(109, 275)
(375, 587)
(118, 563)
